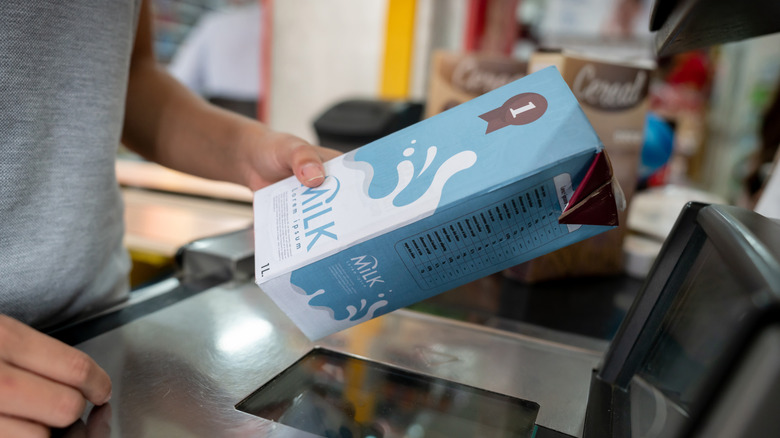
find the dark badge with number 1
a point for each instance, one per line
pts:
(518, 110)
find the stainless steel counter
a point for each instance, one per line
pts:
(180, 370)
(183, 354)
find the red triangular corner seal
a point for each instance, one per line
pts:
(595, 202)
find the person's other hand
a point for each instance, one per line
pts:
(272, 156)
(98, 424)
(43, 382)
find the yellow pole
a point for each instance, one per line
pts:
(399, 37)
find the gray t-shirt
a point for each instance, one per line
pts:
(63, 81)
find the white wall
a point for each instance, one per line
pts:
(439, 24)
(322, 52)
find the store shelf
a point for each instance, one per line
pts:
(143, 174)
(158, 224)
(683, 25)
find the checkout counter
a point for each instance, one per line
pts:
(206, 353)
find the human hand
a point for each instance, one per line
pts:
(272, 156)
(43, 382)
(98, 424)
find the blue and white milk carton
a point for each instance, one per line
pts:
(449, 200)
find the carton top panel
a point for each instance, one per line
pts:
(490, 141)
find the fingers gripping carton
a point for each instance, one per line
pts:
(461, 195)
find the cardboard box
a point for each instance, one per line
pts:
(459, 77)
(451, 199)
(614, 96)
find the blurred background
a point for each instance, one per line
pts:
(701, 124)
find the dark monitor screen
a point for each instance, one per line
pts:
(331, 394)
(714, 286)
(694, 334)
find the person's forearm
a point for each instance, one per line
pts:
(168, 124)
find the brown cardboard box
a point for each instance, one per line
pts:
(457, 78)
(613, 96)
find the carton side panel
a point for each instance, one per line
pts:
(477, 237)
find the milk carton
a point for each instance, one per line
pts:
(451, 199)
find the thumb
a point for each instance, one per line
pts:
(307, 163)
